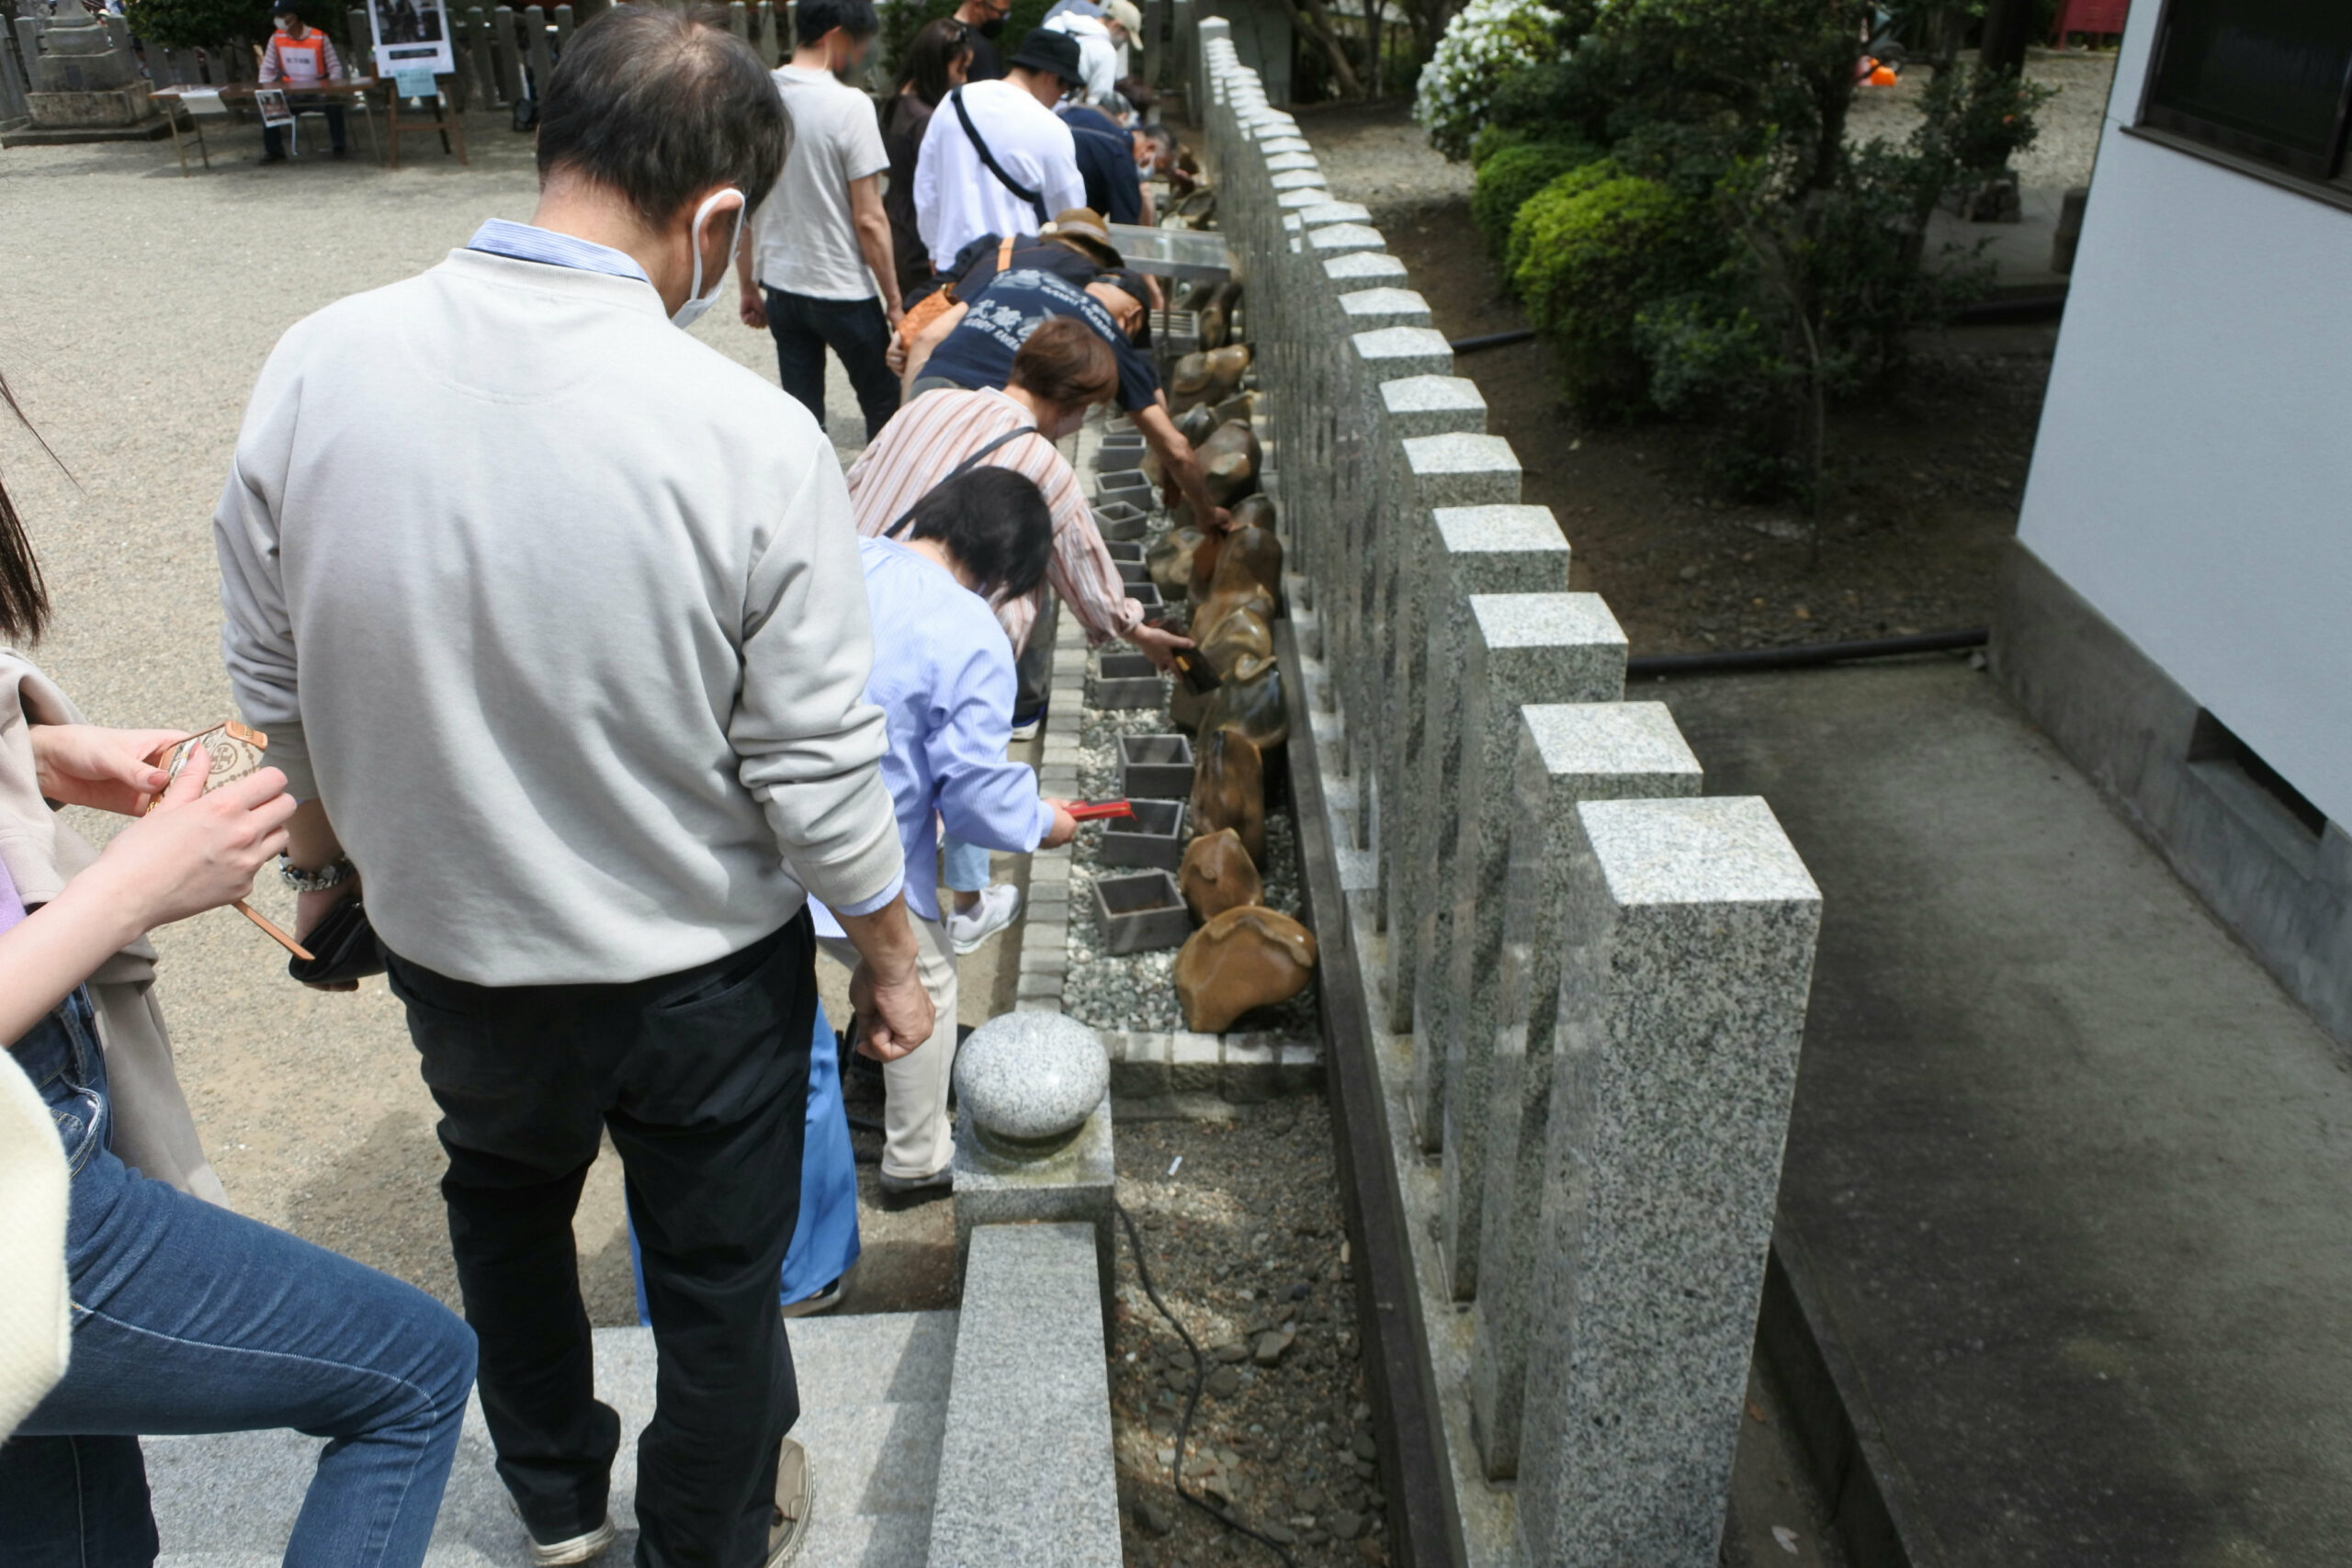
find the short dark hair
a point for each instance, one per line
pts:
(24, 597)
(660, 103)
(812, 19)
(1162, 137)
(1065, 361)
(935, 49)
(995, 523)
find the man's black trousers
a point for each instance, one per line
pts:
(702, 1078)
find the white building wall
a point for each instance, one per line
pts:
(2193, 476)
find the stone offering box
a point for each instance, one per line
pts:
(1155, 767)
(1129, 485)
(1126, 552)
(1134, 573)
(1140, 913)
(1146, 594)
(1119, 453)
(1128, 681)
(1119, 521)
(1153, 837)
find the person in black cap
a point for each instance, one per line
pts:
(994, 160)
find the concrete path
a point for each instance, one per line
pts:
(874, 1395)
(2069, 1170)
(137, 310)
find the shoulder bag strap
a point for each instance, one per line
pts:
(1036, 202)
(966, 466)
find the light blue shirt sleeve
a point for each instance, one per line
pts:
(867, 905)
(983, 798)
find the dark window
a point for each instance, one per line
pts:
(2263, 79)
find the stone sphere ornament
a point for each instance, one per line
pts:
(1029, 1080)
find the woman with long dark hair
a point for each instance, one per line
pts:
(183, 1316)
(936, 63)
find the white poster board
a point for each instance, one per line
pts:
(271, 105)
(411, 35)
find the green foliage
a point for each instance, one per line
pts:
(1483, 43)
(211, 23)
(1587, 251)
(1736, 259)
(1508, 176)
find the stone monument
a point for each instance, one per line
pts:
(86, 81)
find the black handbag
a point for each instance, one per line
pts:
(343, 947)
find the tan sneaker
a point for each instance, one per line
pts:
(796, 1500)
(579, 1549)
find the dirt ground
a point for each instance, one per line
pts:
(1928, 473)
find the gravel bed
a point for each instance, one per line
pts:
(1138, 991)
(1244, 1241)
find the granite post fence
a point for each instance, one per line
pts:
(1566, 755)
(1685, 956)
(1593, 1018)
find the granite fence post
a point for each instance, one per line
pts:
(1368, 479)
(1688, 952)
(1523, 648)
(1436, 470)
(1566, 755)
(1330, 409)
(1466, 551)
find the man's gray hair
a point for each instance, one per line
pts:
(660, 103)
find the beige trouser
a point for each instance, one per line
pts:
(917, 1139)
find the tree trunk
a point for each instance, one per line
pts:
(1316, 23)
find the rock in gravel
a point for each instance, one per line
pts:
(1347, 1526)
(1231, 1351)
(1217, 875)
(1245, 958)
(1364, 1448)
(1225, 1383)
(1275, 1529)
(1269, 1349)
(1229, 791)
(1153, 1519)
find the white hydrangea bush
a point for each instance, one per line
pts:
(1487, 40)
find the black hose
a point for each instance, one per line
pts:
(1659, 664)
(1192, 1400)
(1492, 340)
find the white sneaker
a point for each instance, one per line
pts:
(1028, 731)
(795, 1501)
(1000, 905)
(579, 1549)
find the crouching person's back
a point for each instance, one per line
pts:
(556, 618)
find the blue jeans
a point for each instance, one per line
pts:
(856, 329)
(962, 867)
(190, 1318)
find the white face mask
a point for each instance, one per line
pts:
(696, 300)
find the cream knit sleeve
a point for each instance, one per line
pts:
(36, 1329)
(809, 744)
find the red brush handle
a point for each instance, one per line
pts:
(1090, 811)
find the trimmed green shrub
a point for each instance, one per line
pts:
(1588, 251)
(1511, 174)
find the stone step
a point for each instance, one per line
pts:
(874, 1402)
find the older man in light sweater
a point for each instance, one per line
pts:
(555, 618)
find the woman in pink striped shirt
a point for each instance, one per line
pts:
(1061, 370)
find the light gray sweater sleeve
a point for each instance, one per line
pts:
(256, 632)
(810, 745)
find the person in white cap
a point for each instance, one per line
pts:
(1103, 44)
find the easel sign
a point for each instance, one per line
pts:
(271, 105)
(411, 35)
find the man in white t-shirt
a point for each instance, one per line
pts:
(1015, 165)
(817, 268)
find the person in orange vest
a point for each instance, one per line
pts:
(297, 56)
